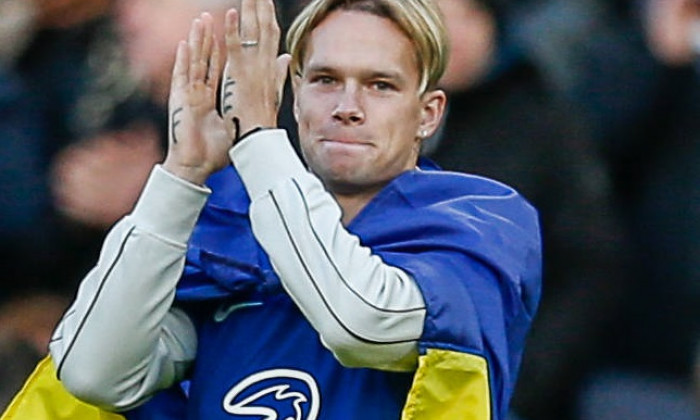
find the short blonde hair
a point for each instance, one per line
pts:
(420, 20)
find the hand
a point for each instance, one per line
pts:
(198, 142)
(97, 181)
(254, 75)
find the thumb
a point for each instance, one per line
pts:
(282, 65)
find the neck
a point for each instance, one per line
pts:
(352, 204)
(353, 199)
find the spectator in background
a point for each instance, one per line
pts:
(43, 73)
(505, 121)
(83, 91)
(641, 88)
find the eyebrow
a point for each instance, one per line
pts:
(389, 75)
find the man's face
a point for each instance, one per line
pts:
(357, 102)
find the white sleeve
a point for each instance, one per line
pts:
(121, 341)
(368, 313)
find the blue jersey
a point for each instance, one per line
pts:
(263, 355)
(471, 244)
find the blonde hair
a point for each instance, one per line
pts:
(420, 20)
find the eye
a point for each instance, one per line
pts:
(383, 86)
(323, 80)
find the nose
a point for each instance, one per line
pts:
(349, 108)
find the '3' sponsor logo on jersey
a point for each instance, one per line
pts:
(276, 394)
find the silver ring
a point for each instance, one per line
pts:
(245, 44)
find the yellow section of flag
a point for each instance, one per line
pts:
(449, 385)
(43, 397)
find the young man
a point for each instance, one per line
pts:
(364, 287)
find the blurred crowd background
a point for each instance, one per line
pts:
(590, 108)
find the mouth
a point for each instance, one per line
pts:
(340, 141)
(343, 147)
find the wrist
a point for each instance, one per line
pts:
(193, 174)
(243, 131)
(247, 122)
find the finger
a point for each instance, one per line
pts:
(267, 22)
(233, 47)
(214, 73)
(195, 45)
(180, 69)
(249, 21)
(178, 85)
(282, 64)
(232, 36)
(207, 40)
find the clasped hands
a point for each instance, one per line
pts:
(251, 88)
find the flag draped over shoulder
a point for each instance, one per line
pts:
(472, 245)
(43, 397)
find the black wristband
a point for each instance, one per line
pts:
(251, 131)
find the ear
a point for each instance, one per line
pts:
(432, 109)
(296, 83)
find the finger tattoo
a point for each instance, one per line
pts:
(228, 93)
(175, 122)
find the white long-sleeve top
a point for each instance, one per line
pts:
(121, 340)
